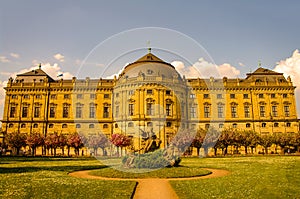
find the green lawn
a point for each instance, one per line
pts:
(250, 177)
(47, 178)
(174, 172)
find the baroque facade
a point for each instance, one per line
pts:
(149, 97)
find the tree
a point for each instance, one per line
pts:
(52, 142)
(226, 139)
(198, 140)
(120, 140)
(183, 140)
(266, 141)
(98, 141)
(249, 138)
(211, 140)
(76, 141)
(34, 140)
(62, 142)
(16, 140)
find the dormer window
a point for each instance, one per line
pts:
(149, 72)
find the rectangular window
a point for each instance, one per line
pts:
(38, 96)
(168, 92)
(233, 111)
(14, 97)
(12, 112)
(219, 96)
(131, 92)
(285, 95)
(273, 95)
(79, 96)
(261, 95)
(65, 111)
(26, 96)
(117, 94)
(262, 111)
(52, 111)
(78, 111)
(193, 112)
(149, 92)
(232, 96)
(206, 111)
(192, 96)
(66, 96)
(287, 111)
(169, 109)
(105, 112)
(53, 96)
(150, 109)
(92, 96)
(247, 111)
(131, 109)
(37, 111)
(205, 96)
(274, 111)
(117, 111)
(92, 111)
(25, 111)
(246, 96)
(220, 111)
(106, 96)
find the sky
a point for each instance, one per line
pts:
(234, 36)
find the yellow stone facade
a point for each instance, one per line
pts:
(149, 97)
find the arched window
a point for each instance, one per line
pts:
(91, 126)
(169, 124)
(51, 125)
(276, 124)
(288, 124)
(207, 126)
(248, 125)
(234, 125)
(10, 125)
(263, 125)
(35, 125)
(64, 126)
(149, 124)
(23, 125)
(116, 125)
(105, 126)
(78, 126)
(130, 124)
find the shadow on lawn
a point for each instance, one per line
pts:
(47, 168)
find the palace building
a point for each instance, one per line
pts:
(149, 97)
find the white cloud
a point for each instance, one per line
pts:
(14, 55)
(4, 59)
(59, 57)
(205, 69)
(291, 67)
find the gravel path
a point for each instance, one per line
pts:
(152, 188)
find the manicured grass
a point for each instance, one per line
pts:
(174, 172)
(251, 177)
(48, 178)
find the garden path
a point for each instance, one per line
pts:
(153, 188)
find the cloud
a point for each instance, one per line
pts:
(205, 69)
(291, 67)
(14, 55)
(4, 59)
(59, 57)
